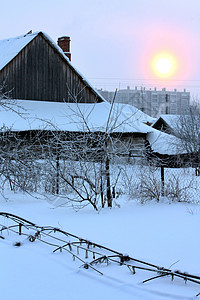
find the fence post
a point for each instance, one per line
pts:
(57, 174)
(109, 195)
(101, 189)
(20, 228)
(162, 181)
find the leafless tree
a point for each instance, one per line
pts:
(75, 167)
(81, 160)
(7, 145)
(81, 164)
(9, 104)
(187, 129)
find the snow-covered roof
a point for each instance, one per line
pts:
(133, 113)
(10, 48)
(43, 115)
(170, 120)
(22, 115)
(68, 117)
(164, 143)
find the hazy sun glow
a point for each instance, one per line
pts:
(164, 65)
(174, 46)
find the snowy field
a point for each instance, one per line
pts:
(163, 234)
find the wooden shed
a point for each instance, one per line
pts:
(33, 67)
(167, 123)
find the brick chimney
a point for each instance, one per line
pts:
(64, 44)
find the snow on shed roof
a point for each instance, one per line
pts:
(170, 120)
(68, 117)
(43, 115)
(133, 113)
(164, 143)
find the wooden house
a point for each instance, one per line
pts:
(39, 74)
(33, 67)
(166, 123)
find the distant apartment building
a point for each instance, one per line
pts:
(153, 102)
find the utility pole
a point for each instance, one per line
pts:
(142, 98)
(167, 103)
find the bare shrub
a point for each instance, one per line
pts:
(150, 184)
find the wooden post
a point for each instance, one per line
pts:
(72, 180)
(20, 228)
(101, 188)
(57, 174)
(162, 181)
(109, 196)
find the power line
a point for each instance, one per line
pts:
(142, 79)
(114, 83)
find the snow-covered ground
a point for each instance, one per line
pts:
(159, 233)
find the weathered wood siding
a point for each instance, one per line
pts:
(39, 72)
(132, 144)
(162, 126)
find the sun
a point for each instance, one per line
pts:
(164, 65)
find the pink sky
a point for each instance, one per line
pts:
(113, 42)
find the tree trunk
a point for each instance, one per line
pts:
(109, 195)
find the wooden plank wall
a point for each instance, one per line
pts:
(40, 73)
